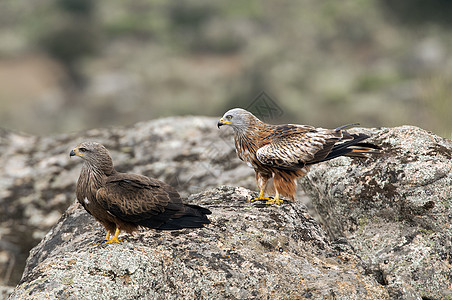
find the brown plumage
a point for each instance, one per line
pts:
(285, 152)
(122, 201)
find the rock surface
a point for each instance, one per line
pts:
(250, 251)
(37, 177)
(394, 210)
(388, 217)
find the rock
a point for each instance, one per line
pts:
(250, 251)
(388, 217)
(37, 177)
(394, 210)
(37, 181)
(5, 291)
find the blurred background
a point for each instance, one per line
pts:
(69, 65)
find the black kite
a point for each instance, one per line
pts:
(122, 201)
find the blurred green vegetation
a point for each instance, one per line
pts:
(69, 65)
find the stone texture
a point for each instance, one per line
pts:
(388, 217)
(37, 177)
(37, 181)
(250, 251)
(394, 210)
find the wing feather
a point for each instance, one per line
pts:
(135, 198)
(294, 146)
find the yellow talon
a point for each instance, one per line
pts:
(114, 239)
(106, 238)
(261, 197)
(275, 200)
(257, 199)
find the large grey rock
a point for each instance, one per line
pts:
(37, 177)
(389, 215)
(395, 210)
(250, 251)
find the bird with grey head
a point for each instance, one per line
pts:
(238, 118)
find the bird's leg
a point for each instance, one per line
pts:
(275, 200)
(114, 239)
(106, 238)
(261, 181)
(108, 235)
(261, 197)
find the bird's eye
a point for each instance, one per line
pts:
(228, 117)
(82, 149)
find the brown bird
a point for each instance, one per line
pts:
(122, 201)
(285, 152)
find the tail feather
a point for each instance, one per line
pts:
(193, 217)
(185, 222)
(361, 149)
(352, 147)
(200, 209)
(346, 126)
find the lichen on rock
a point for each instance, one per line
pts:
(250, 251)
(385, 230)
(395, 210)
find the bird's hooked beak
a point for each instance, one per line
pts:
(222, 122)
(75, 152)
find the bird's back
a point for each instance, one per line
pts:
(149, 202)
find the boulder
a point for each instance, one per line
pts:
(394, 210)
(250, 251)
(37, 177)
(387, 218)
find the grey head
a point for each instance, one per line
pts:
(94, 155)
(238, 118)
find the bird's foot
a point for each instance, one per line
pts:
(258, 199)
(274, 201)
(112, 240)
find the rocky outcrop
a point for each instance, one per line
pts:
(37, 177)
(387, 220)
(250, 251)
(395, 210)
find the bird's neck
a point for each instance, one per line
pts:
(254, 129)
(250, 137)
(92, 178)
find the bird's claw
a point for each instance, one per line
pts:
(112, 240)
(258, 199)
(274, 201)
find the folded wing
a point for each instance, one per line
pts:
(295, 146)
(148, 202)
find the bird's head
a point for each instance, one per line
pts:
(94, 154)
(238, 118)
